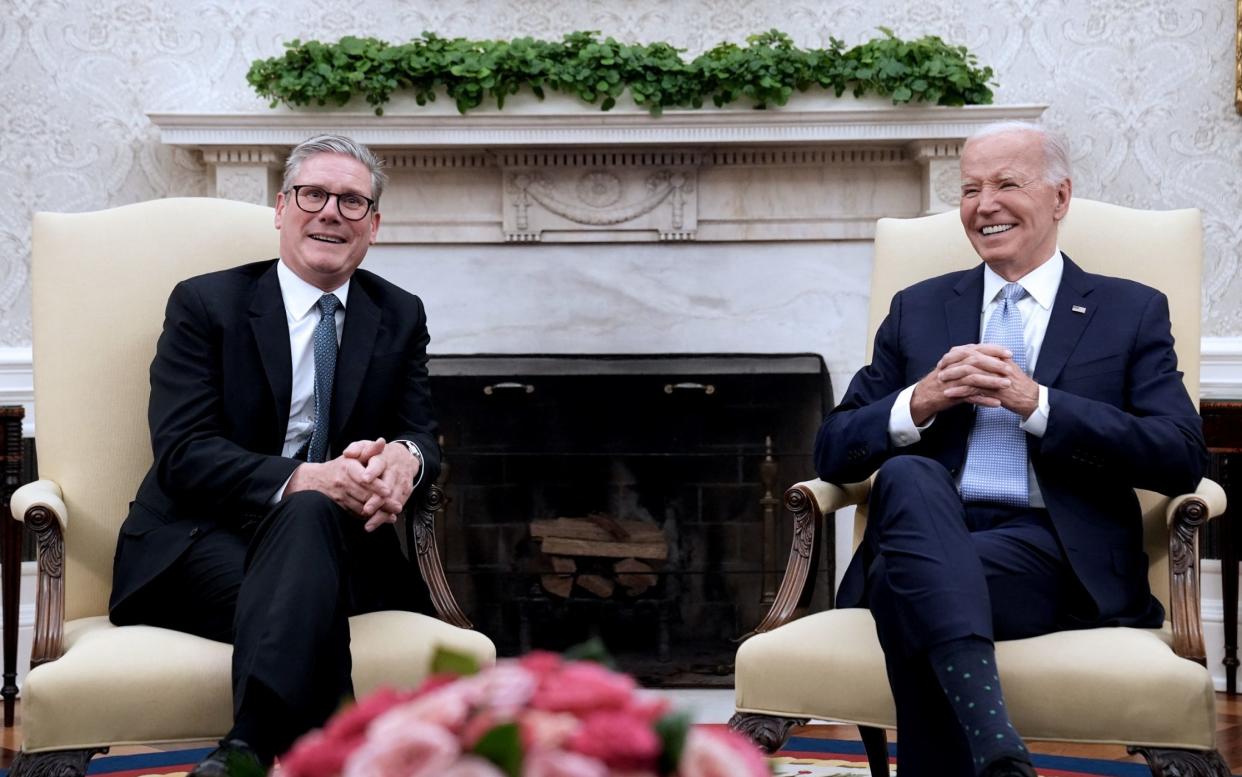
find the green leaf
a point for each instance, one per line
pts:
(672, 729)
(502, 746)
(591, 650)
(446, 661)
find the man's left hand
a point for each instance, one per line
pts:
(389, 471)
(1021, 395)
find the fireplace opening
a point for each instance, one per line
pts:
(633, 498)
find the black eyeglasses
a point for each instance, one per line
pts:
(312, 199)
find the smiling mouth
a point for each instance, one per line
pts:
(996, 229)
(328, 239)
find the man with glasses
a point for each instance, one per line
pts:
(290, 423)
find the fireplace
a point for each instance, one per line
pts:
(634, 498)
(557, 229)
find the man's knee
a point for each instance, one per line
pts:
(910, 472)
(306, 513)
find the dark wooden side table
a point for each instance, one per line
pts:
(10, 549)
(1222, 428)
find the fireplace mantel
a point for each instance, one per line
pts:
(555, 171)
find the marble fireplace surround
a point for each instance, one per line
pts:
(555, 228)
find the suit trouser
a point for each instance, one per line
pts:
(282, 593)
(939, 570)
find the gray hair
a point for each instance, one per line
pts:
(1056, 148)
(336, 144)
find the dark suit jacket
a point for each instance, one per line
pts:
(1119, 419)
(220, 390)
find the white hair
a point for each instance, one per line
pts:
(1056, 149)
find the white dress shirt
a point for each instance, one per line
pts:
(302, 315)
(1041, 286)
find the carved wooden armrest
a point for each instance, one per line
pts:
(41, 506)
(808, 501)
(420, 525)
(1185, 514)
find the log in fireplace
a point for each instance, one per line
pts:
(634, 498)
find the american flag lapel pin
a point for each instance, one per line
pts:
(1078, 309)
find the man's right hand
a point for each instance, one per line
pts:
(345, 480)
(966, 371)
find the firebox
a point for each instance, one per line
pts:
(633, 498)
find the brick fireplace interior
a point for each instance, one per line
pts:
(634, 498)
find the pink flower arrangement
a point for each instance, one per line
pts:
(538, 716)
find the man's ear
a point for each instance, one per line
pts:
(375, 220)
(280, 207)
(1064, 192)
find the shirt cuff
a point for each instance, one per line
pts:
(901, 428)
(418, 454)
(280, 492)
(1037, 423)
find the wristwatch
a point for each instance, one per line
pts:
(414, 451)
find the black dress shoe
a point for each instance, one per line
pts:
(1009, 767)
(233, 758)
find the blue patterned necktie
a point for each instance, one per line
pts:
(325, 370)
(996, 453)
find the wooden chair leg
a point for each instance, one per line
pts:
(58, 763)
(769, 732)
(875, 742)
(1182, 763)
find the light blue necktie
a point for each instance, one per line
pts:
(325, 370)
(996, 453)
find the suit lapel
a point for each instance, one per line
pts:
(962, 310)
(271, 333)
(362, 320)
(1071, 313)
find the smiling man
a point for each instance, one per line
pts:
(1010, 411)
(290, 423)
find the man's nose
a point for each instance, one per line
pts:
(987, 199)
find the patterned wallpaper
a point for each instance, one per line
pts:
(1144, 89)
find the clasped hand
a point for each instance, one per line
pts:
(371, 478)
(979, 373)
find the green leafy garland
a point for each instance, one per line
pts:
(766, 71)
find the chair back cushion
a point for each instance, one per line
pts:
(1163, 249)
(100, 283)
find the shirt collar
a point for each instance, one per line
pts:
(300, 297)
(1041, 283)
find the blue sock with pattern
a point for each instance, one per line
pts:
(966, 669)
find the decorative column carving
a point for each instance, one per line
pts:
(249, 174)
(940, 161)
(600, 195)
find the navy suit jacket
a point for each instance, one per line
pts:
(1119, 419)
(221, 383)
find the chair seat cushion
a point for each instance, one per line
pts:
(179, 687)
(1098, 685)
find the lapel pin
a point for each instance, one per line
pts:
(1078, 309)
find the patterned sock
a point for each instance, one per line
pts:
(966, 669)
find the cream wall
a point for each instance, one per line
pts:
(1144, 88)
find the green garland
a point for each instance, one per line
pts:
(766, 71)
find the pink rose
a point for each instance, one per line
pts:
(419, 749)
(583, 686)
(316, 754)
(719, 752)
(620, 740)
(472, 766)
(447, 706)
(546, 730)
(648, 706)
(352, 721)
(558, 763)
(506, 687)
(540, 662)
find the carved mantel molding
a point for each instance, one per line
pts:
(558, 173)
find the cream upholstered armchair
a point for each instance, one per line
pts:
(101, 281)
(1146, 688)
